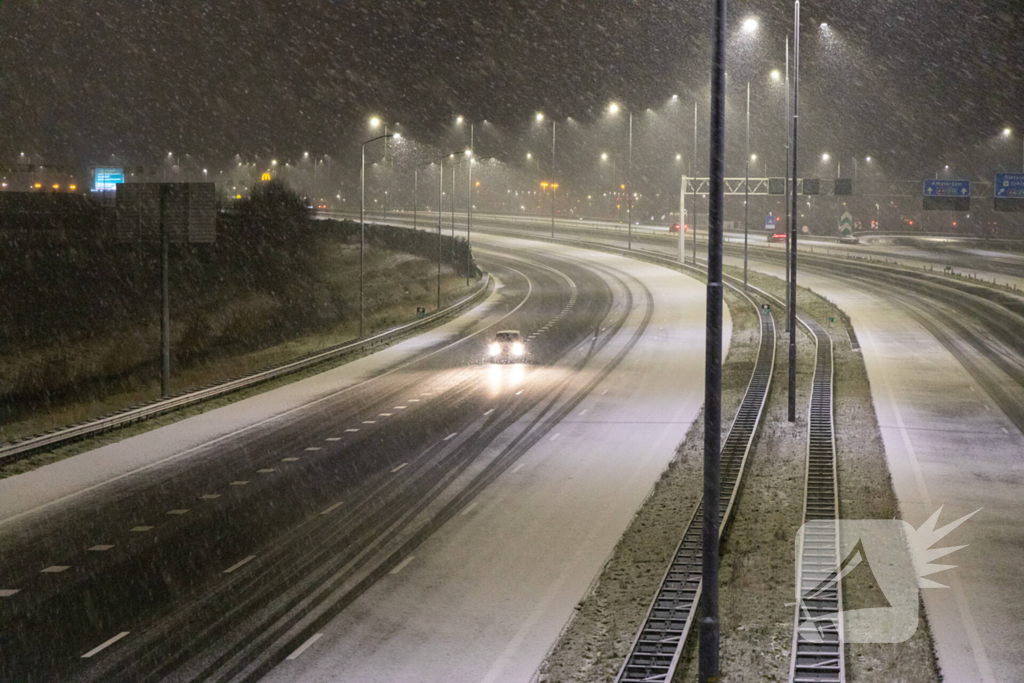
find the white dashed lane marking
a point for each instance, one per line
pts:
(400, 407)
(177, 512)
(240, 564)
(210, 496)
(313, 448)
(330, 509)
(305, 646)
(239, 483)
(518, 467)
(489, 412)
(604, 392)
(56, 569)
(1004, 430)
(353, 429)
(103, 646)
(385, 415)
(266, 470)
(413, 400)
(555, 436)
(8, 592)
(468, 508)
(369, 422)
(402, 565)
(100, 548)
(450, 436)
(140, 529)
(289, 459)
(399, 467)
(333, 438)
(584, 411)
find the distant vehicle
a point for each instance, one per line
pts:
(848, 239)
(507, 345)
(777, 237)
(674, 227)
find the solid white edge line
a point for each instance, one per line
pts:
(332, 508)
(402, 565)
(99, 648)
(236, 566)
(305, 646)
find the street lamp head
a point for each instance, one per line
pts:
(1007, 132)
(396, 136)
(750, 25)
(273, 162)
(679, 157)
(613, 108)
(540, 116)
(825, 157)
(824, 25)
(374, 122)
(458, 120)
(753, 157)
(868, 159)
(776, 75)
(604, 156)
(469, 152)
(305, 154)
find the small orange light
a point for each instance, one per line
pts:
(38, 185)
(56, 186)
(623, 187)
(72, 187)
(478, 183)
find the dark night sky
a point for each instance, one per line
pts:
(914, 82)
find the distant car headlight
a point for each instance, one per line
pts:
(494, 349)
(518, 349)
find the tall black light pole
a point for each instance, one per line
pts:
(793, 215)
(440, 203)
(629, 185)
(362, 226)
(415, 194)
(746, 193)
(709, 626)
(694, 173)
(469, 216)
(789, 188)
(554, 185)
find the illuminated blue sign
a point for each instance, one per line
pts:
(106, 179)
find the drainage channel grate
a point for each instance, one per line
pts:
(658, 646)
(817, 651)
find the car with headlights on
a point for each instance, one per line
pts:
(507, 345)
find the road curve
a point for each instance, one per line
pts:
(208, 549)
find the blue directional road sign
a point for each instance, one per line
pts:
(947, 188)
(769, 222)
(1009, 185)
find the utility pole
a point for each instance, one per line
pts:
(415, 191)
(708, 653)
(469, 214)
(793, 217)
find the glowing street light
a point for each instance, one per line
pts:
(539, 117)
(776, 75)
(374, 122)
(613, 109)
(750, 25)
(825, 157)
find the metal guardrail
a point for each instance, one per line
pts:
(64, 435)
(817, 654)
